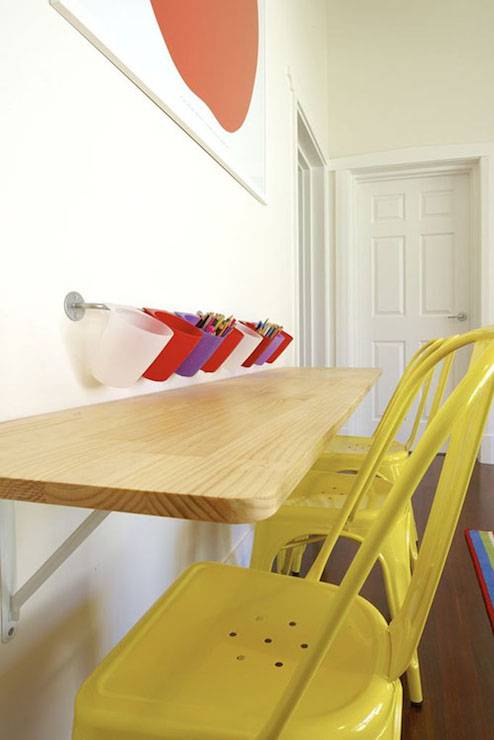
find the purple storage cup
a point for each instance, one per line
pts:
(270, 349)
(201, 352)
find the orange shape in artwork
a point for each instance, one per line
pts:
(214, 45)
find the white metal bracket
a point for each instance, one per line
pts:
(12, 600)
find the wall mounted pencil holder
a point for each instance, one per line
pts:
(124, 343)
(270, 349)
(201, 353)
(128, 344)
(286, 339)
(263, 345)
(185, 338)
(250, 340)
(217, 359)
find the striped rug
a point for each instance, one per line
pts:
(481, 546)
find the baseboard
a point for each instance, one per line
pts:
(487, 449)
(241, 550)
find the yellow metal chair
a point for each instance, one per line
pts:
(346, 453)
(232, 653)
(321, 496)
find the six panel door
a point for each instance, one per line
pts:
(413, 263)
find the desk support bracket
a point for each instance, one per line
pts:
(12, 600)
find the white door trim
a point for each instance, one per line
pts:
(319, 182)
(477, 159)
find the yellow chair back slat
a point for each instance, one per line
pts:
(441, 385)
(420, 411)
(420, 355)
(438, 396)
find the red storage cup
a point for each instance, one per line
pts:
(282, 347)
(185, 338)
(259, 349)
(232, 339)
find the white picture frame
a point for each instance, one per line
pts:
(128, 34)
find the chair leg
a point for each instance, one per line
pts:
(281, 562)
(395, 562)
(269, 538)
(297, 556)
(414, 681)
(265, 549)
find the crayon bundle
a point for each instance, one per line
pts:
(267, 329)
(215, 323)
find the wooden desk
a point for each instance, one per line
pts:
(229, 451)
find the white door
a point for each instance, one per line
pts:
(413, 264)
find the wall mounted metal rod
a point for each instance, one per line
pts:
(75, 306)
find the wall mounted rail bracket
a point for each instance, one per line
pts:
(11, 600)
(75, 306)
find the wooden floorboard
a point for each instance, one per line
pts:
(457, 648)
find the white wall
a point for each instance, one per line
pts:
(407, 73)
(100, 192)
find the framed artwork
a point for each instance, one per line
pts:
(201, 61)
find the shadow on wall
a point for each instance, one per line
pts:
(53, 667)
(79, 345)
(203, 541)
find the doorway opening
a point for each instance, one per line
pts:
(313, 285)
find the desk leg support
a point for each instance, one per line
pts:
(11, 600)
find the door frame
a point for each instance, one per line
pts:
(322, 340)
(305, 207)
(478, 160)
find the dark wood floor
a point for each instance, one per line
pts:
(457, 648)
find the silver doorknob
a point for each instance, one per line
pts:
(459, 316)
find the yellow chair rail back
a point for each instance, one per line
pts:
(438, 351)
(461, 419)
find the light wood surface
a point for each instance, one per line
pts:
(229, 451)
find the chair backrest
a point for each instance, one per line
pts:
(419, 357)
(441, 354)
(444, 372)
(465, 436)
(437, 396)
(465, 416)
(461, 419)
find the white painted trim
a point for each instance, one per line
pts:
(477, 159)
(387, 174)
(487, 449)
(330, 268)
(294, 209)
(298, 111)
(415, 156)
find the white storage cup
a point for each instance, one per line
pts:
(130, 341)
(244, 348)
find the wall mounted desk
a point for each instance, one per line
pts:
(228, 451)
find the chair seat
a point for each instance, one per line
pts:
(212, 657)
(320, 489)
(347, 445)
